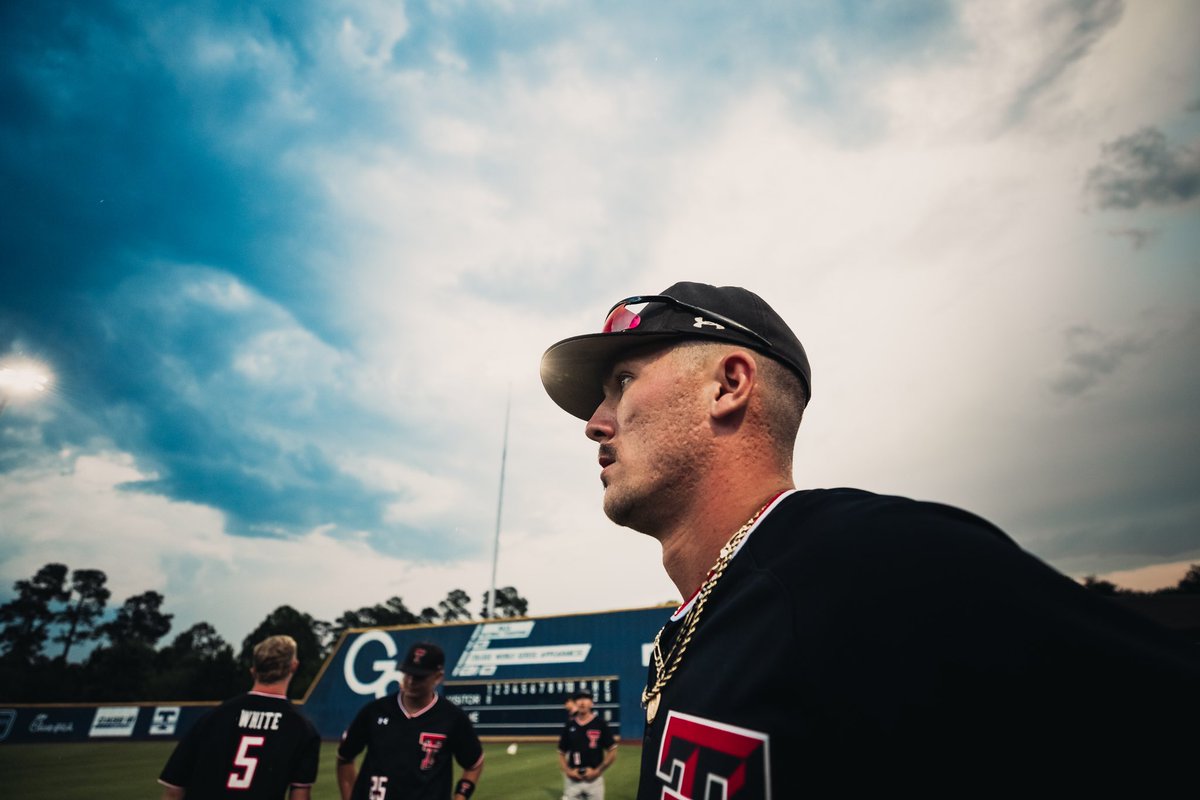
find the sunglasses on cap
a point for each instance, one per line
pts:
(627, 315)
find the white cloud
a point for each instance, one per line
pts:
(930, 270)
(368, 32)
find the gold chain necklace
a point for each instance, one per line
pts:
(665, 666)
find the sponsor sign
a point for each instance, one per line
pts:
(164, 721)
(481, 658)
(43, 724)
(8, 716)
(114, 721)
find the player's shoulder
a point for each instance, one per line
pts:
(387, 704)
(448, 708)
(847, 516)
(229, 707)
(236, 701)
(297, 714)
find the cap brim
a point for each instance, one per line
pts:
(419, 672)
(573, 370)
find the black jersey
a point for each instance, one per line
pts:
(254, 746)
(585, 745)
(859, 641)
(408, 758)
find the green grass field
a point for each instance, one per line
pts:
(120, 770)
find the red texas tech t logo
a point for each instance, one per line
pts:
(431, 743)
(704, 760)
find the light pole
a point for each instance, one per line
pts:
(490, 613)
(21, 377)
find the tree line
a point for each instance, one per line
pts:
(58, 611)
(1188, 584)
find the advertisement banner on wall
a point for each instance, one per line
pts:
(164, 721)
(58, 723)
(114, 721)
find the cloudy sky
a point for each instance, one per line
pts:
(289, 262)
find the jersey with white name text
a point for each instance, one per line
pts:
(251, 747)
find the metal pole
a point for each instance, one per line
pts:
(491, 604)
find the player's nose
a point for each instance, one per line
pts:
(601, 425)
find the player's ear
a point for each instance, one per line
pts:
(294, 666)
(735, 375)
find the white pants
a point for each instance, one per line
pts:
(582, 790)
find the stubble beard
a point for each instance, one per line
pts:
(652, 506)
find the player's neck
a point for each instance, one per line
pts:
(585, 721)
(279, 688)
(691, 547)
(414, 707)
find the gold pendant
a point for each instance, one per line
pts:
(651, 707)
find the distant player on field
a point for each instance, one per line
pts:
(585, 750)
(410, 738)
(569, 706)
(254, 746)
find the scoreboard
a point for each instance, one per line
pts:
(531, 708)
(510, 676)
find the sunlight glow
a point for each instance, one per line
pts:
(23, 377)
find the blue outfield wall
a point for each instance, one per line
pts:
(23, 724)
(510, 676)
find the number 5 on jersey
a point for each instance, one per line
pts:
(244, 760)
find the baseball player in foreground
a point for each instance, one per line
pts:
(835, 640)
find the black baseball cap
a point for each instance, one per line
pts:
(573, 370)
(423, 658)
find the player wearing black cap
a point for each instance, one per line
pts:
(411, 738)
(586, 749)
(836, 641)
(256, 746)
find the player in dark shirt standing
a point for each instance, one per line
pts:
(254, 746)
(410, 738)
(585, 750)
(838, 642)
